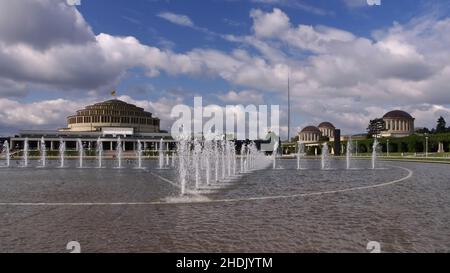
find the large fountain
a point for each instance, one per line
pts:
(202, 165)
(200, 154)
(208, 161)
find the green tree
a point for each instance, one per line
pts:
(423, 131)
(441, 125)
(376, 126)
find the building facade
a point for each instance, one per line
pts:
(309, 134)
(105, 122)
(112, 114)
(312, 134)
(398, 124)
(327, 130)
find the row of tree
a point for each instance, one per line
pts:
(441, 128)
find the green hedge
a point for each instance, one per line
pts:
(410, 144)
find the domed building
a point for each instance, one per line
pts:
(327, 129)
(398, 124)
(106, 123)
(309, 134)
(112, 114)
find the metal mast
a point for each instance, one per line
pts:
(289, 107)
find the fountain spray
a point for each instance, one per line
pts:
(161, 154)
(43, 152)
(99, 152)
(119, 151)
(325, 157)
(25, 153)
(80, 152)
(6, 152)
(139, 153)
(348, 155)
(274, 155)
(374, 153)
(62, 151)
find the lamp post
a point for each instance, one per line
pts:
(426, 146)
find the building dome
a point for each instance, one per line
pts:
(398, 114)
(113, 113)
(309, 134)
(327, 129)
(310, 129)
(326, 124)
(398, 124)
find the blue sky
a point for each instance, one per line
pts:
(140, 19)
(349, 61)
